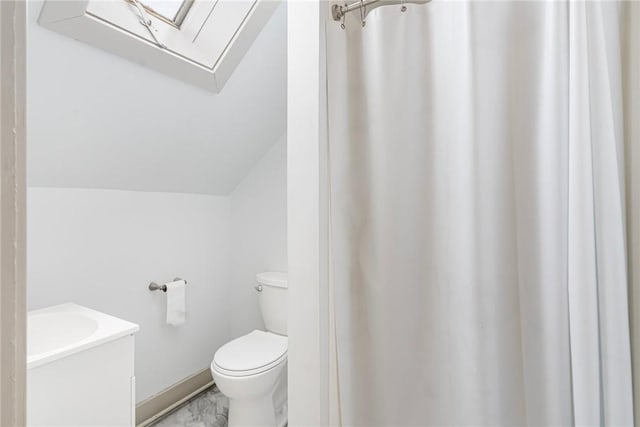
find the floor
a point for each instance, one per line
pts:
(208, 409)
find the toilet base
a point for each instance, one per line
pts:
(256, 412)
(252, 412)
(256, 400)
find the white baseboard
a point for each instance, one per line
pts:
(149, 410)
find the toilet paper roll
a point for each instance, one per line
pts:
(176, 302)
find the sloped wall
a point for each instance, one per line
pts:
(96, 120)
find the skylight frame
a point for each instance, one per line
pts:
(180, 15)
(212, 41)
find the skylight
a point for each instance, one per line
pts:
(173, 11)
(199, 41)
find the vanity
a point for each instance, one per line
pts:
(79, 368)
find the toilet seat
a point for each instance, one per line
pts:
(251, 354)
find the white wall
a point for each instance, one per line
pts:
(259, 230)
(309, 392)
(101, 248)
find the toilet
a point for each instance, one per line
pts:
(252, 370)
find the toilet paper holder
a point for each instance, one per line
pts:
(153, 286)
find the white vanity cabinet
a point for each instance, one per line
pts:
(88, 382)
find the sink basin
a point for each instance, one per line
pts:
(65, 329)
(49, 332)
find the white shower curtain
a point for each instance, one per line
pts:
(479, 184)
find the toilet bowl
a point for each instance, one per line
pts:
(251, 370)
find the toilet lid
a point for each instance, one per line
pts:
(250, 354)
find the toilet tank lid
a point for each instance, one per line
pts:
(273, 278)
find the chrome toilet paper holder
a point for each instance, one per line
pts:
(153, 286)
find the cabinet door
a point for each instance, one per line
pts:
(89, 388)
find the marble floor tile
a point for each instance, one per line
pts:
(208, 409)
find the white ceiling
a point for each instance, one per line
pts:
(95, 120)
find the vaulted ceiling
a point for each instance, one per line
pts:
(96, 120)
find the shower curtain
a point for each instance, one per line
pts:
(481, 156)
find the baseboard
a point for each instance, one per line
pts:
(159, 404)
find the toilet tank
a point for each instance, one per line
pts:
(272, 291)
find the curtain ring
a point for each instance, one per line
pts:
(403, 7)
(362, 15)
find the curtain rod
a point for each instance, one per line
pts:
(339, 12)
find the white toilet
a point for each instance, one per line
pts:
(252, 370)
